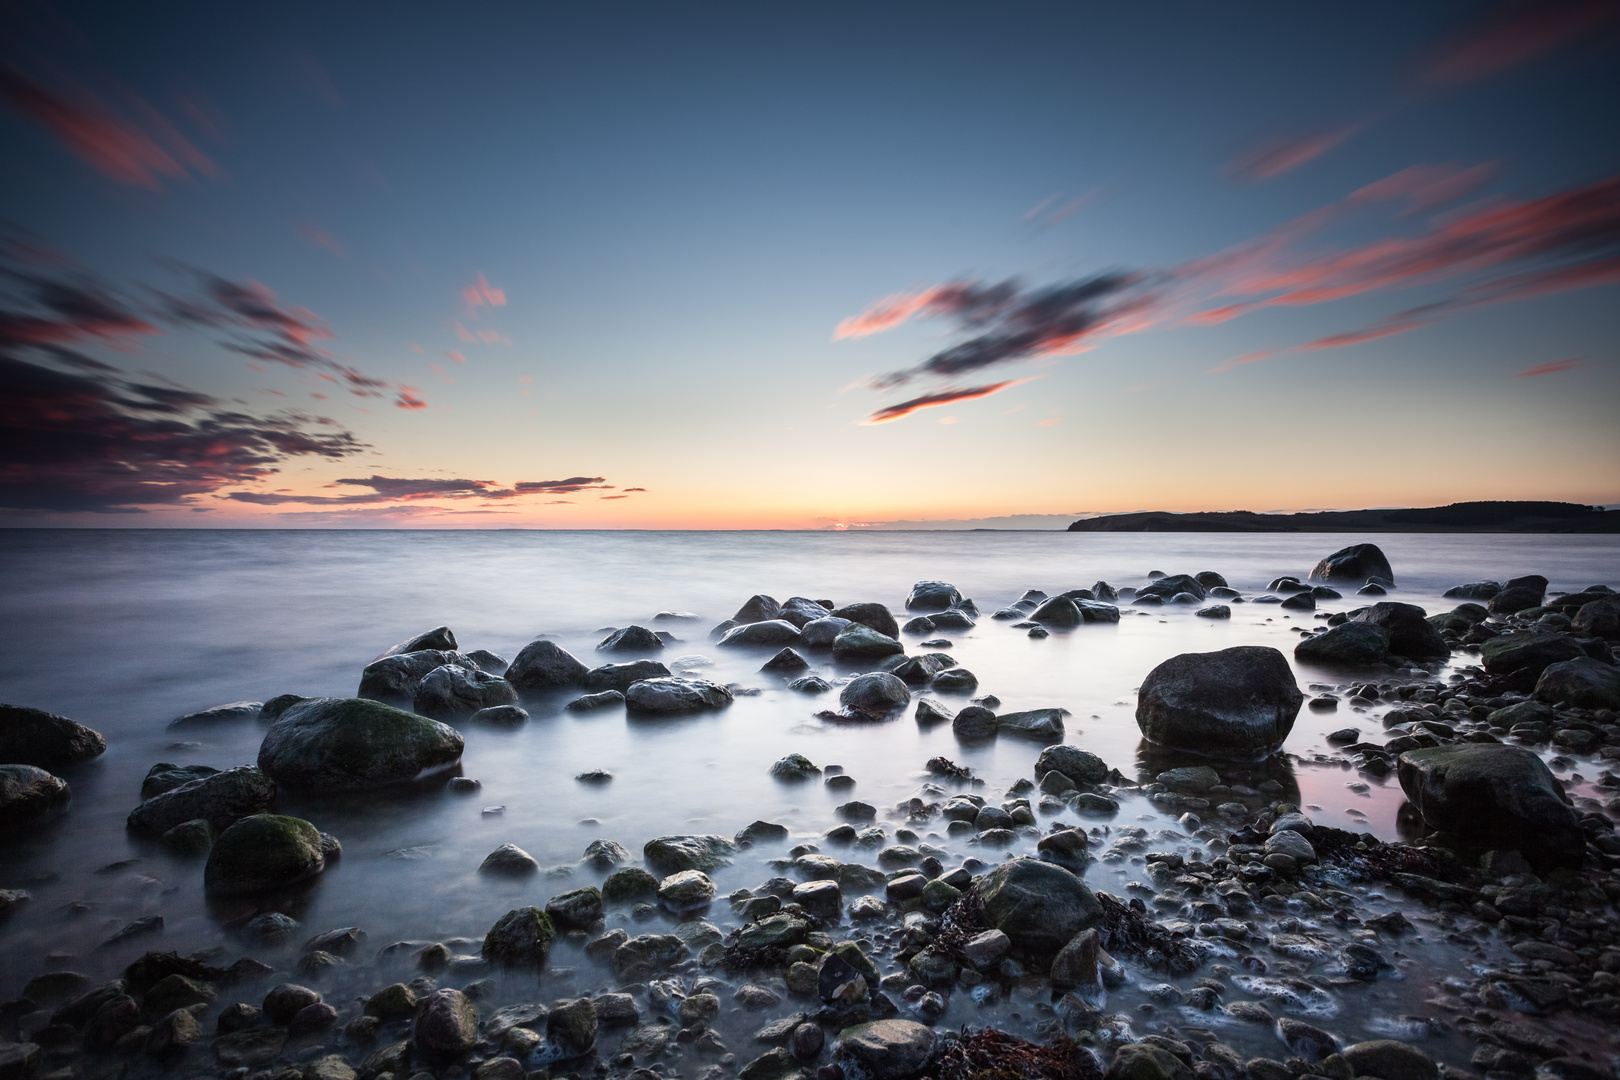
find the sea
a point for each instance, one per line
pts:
(125, 630)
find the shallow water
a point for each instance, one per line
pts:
(125, 630)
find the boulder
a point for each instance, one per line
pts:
(45, 740)
(1351, 644)
(628, 886)
(1519, 594)
(646, 954)
(395, 678)
(932, 596)
(576, 909)
(786, 662)
(1044, 725)
(875, 616)
(759, 608)
(801, 611)
(620, 677)
(794, 767)
(672, 854)
(821, 633)
(544, 665)
(974, 722)
(670, 695)
(1582, 682)
(571, 1029)
(1390, 1059)
(30, 796)
(220, 714)
(1058, 611)
(1410, 634)
(1475, 590)
(768, 634)
(1496, 797)
(439, 637)
(166, 776)
(1080, 766)
(1039, 906)
(446, 1025)
(1067, 848)
(884, 1049)
(877, 694)
(263, 852)
(1146, 1061)
(502, 716)
(631, 639)
(1355, 564)
(1237, 703)
(344, 744)
(686, 890)
(455, 690)
(522, 936)
(1536, 652)
(221, 799)
(859, 642)
(1599, 618)
(509, 860)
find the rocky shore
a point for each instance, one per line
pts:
(951, 935)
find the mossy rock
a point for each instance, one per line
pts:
(265, 851)
(344, 744)
(521, 936)
(629, 885)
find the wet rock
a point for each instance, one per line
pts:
(647, 954)
(396, 1002)
(1527, 652)
(221, 799)
(930, 713)
(1038, 905)
(885, 1049)
(245, 1049)
(1582, 682)
(1078, 765)
(446, 1025)
(1058, 611)
(957, 680)
(629, 885)
(875, 616)
(820, 633)
(344, 744)
(1239, 703)
(774, 932)
(261, 852)
(876, 694)
(1291, 844)
(1145, 1061)
(770, 633)
(670, 696)
(810, 684)
(30, 796)
(859, 642)
(631, 639)
(785, 662)
(522, 936)
(286, 1000)
(1410, 634)
(1044, 725)
(932, 596)
(544, 665)
(1599, 618)
(1215, 611)
(232, 712)
(671, 854)
(758, 608)
(505, 716)
(1355, 565)
(795, 767)
(166, 776)
(454, 690)
(45, 740)
(621, 677)
(1495, 796)
(606, 854)
(509, 860)
(974, 722)
(440, 637)
(686, 890)
(1351, 644)
(1387, 1059)
(1067, 848)
(392, 678)
(1516, 598)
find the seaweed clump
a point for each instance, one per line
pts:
(1127, 931)
(994, 1055)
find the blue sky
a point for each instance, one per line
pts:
(535, 258)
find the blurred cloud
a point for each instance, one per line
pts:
(316, 236)
(943, 397)
(408, 489)
(118, 148)
(314, 78)
(1514, 34)
(481, 294)
(1284, 154)
(1551, 367)
(559, 487)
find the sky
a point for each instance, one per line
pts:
(533, 265)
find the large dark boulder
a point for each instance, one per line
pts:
(1474, 590)
(885, 1049)
(1410, 634)
(544, 665)
(874, 615)
(759, 608)
(1584, 682)
(439, 638)
(671, 695)
(1354, 564)
(30, 796)
(1081, 766)
(457, 690)
(221, 799)
(801, 610)
(262, 852)
(343, 744)
(166, 776)
(1600, 618)
(932, 596)
(672, 854)
(1536, 652)
(878, 694)
(620, 676)
(1058, 611)
(1173, 585)
(1236, 703)
(769, 633)
(859, 643)
(36, 737)
(1496, 797)
(1038, 905)
(521, 936)
(395, 677)
(1351, 644)
(631, 639)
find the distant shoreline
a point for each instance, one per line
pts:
(1470, 517)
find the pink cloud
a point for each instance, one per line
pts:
(315, 236)
(481, 294)
(459, 358)
(408, 398)
(1426, 187)
(1551, 367)
(1516, 34)
(1277, 156)
(943, 397)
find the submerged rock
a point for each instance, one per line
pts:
(1351, 644)
(166, 776)
(520, 937)
(1583, 682)
(396, 677)
(858, 642)
(1410, 634)
(1497, 797)
(672, 695)
(1239, 703)
(342, 744)
(621, 677)
(885, 1049)
(631, 639)
(263, 852)
(221, 799)
(770, 633)
(821, 633)
(1039, 906)
(439, 637)
(454, 690)
(874, 616)
(544, 665)
(879, 693)
(30, 796)
(672, 854)
(220, 714)
(932, 596)
(45, 740)
(1355, 564)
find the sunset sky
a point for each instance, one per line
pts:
(714, 266)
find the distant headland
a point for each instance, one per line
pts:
(1507, 517)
